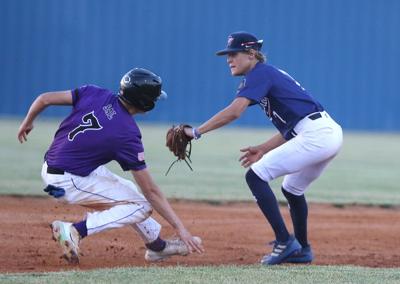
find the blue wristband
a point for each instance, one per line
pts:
(196, 134)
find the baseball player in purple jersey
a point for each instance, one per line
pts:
(100, 129)
(307, 141)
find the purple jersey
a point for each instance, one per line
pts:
(98, 130)
(281, 97)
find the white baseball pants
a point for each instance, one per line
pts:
(303, 158)
(120, 200)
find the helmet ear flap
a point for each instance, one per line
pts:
(138, 103)
(141, 88)
(144, 104)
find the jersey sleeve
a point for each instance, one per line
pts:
(78, 93)
(83, 92)
(130, 155)
(255, 86)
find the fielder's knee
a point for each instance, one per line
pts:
(287, 189)
(253, 179)
(251, 175)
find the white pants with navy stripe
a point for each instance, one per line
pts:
(303, 158)
(119, 199)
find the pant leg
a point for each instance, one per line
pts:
(148, 230)
(298, 182)
(102, 189)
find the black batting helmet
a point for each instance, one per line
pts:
(141, 88)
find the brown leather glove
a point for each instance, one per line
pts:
(179, 144)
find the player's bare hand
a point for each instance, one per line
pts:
(193, 243)
(23, 131)
(250, 156)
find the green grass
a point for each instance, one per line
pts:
(366, 171)
(220, 274)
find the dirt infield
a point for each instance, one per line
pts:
(232, 233)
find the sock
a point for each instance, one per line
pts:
(299, 213)
(266, 200)
(157, 245)
(81, 228)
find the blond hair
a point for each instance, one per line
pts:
(260, 56)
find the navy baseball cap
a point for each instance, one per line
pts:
(241, 41)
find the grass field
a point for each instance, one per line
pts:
(366, 172)
(221, 274)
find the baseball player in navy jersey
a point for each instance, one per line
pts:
(100, 129)
(308, 139)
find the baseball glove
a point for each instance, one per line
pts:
(179, 144)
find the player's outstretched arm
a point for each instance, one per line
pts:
(40, 103)
(157, 199)
(225, 116)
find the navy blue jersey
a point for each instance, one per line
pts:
(281, 97)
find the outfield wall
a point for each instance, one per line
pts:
(345, 52)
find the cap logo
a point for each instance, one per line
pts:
(230, 40)
(127, 79)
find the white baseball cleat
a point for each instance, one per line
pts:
(68, 238)
(173, 247)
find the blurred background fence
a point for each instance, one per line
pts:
(345, 52)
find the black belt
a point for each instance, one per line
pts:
(55, 171)
(293, 133)
(315, 116)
